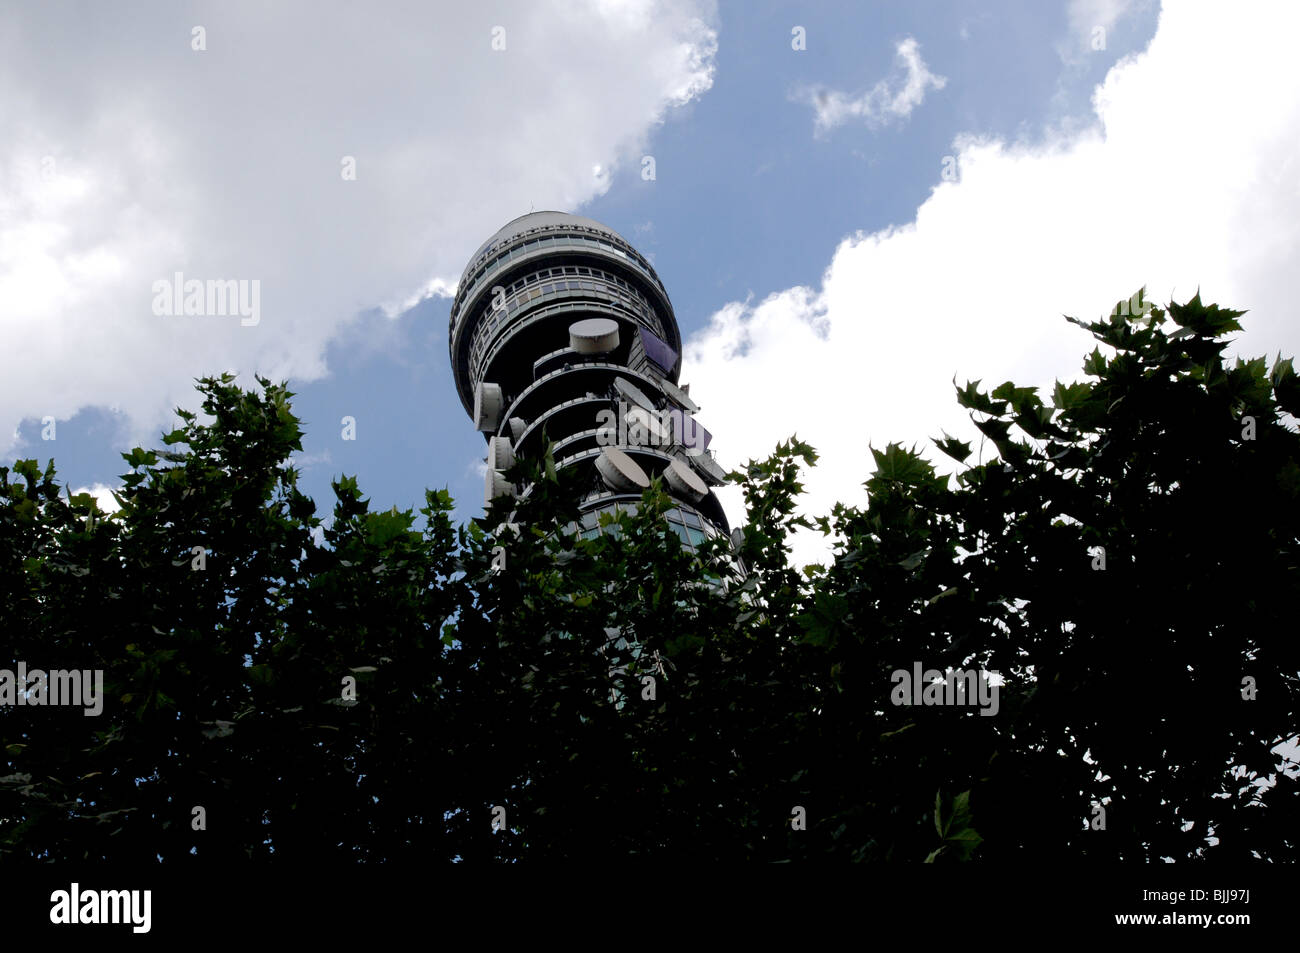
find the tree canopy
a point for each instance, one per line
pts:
(386, 685)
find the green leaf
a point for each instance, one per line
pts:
(957, 449)
(1095, 364)
(972, 398)
(914, 560)
(899, 465)
(1067, 396)
(139, 457)
(947, 592)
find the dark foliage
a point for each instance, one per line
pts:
(1127, 668)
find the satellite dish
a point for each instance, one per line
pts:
(681, 478)
(517, 427)
(709, 468)
(487, 406)
(738, 537)
(496, 485)
(594, 336)
(501, 456)
(621, 472)
(680, 396)
(656, 435)
(630, 392)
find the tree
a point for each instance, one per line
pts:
(1127, 561)
(392, 687)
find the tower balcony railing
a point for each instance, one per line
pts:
(495, 321)
(621, 247)
(587, 279)
(541, 248)
(493, 345)
(517, 405)
(536, 426)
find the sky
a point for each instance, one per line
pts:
(852, 205)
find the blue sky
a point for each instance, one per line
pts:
(785, 247)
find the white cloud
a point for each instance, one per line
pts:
(226, 164)
(304, 461)
(1090, 22)
(891, 98)
(1188, 178)
(103, 495)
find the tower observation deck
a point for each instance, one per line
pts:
(561, 330)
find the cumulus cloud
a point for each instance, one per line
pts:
(891, 99)
(1186, 180)
(130, 156)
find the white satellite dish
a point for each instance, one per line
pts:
(517, 427)
(621, 472)
(496, 485)
(680, 396)
(487, 406)
(681, 478)
(709, 468)
(655, 435)
(594, 335)
(632, 393)
(501, 456)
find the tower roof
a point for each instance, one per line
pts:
(535, 220)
